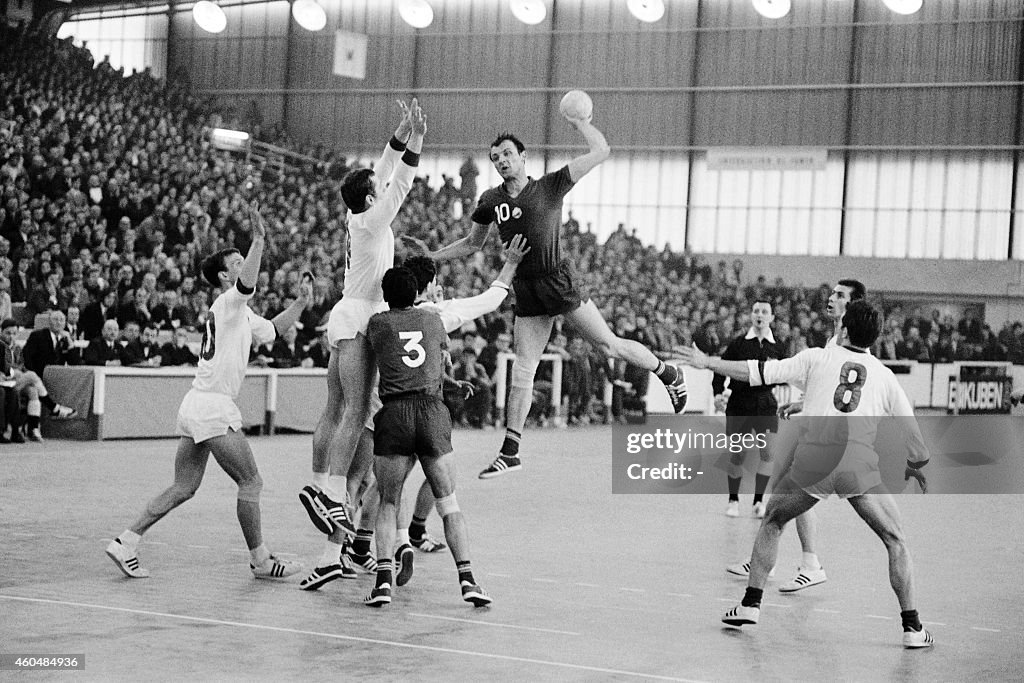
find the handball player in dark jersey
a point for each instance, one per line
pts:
(410, 346)
(545, 284)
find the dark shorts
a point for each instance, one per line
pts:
(550, 294)
(754, 416)
(416, 426)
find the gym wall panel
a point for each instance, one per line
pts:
(926, 48)
(747, 62)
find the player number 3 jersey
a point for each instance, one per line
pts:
(409, 344)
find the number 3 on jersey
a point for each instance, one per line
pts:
(851, 378)
(412, 345)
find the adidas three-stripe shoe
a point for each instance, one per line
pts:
(916, 639)
(379, 596)
(677, 391)
(502, 465)
(126, 561)
(742, 616)
(805, 578)
(274, 568)
(321, 576)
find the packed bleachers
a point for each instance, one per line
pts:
(109, 186)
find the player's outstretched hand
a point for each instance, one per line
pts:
(467, 387)
(692, 356)
(721, 402)
(405, 125)
(259, 228)
(516, 249)
(415, 245)
(788, 409)
(417, 118)
(916, 474)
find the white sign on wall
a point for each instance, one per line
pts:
(767, 158)
(350, 54)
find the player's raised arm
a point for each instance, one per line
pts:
(599, 149)
(251, 265)
(289, 316)
(466, 246)
(386, 209)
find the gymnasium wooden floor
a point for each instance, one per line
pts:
(587, 585)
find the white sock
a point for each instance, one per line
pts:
(33, 408)
(403, 537)
(332, 554)
(337, 488)
(320, 480)
(810, 561)
(259, 555)
(130, 540)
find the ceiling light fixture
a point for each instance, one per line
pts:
(772, 9)
(309, 15)
(209, 16)
(528, 11)
(416, 13)
(647, 10)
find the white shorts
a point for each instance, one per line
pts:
(350, 317)
(204, 415)
(850, 470)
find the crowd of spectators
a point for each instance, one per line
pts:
(111, 194)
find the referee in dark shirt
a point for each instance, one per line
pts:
(750, 410)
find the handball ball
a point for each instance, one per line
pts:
(576, 104)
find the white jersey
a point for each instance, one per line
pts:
(231, 328)
(457, 312)
(371, 241)
(838, 381)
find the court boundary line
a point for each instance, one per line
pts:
(357, 639)
(493, 623)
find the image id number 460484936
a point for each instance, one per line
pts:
(19, 662)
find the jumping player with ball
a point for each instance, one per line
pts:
(545, 284)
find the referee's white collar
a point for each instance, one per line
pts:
(753, 335)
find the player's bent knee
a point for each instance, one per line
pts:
(447, 505)
(250, 489)
(523, 373)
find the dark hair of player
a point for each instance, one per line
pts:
(863, 323)
(213, 265)
(520, 147)
(423, 268)
(356, 186)
(858, 290)
(399, 285)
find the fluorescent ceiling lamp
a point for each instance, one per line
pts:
(772, 9)
(309, 14)
(904, 6)
(647, 10)
(229, 140)
(528, 11)
(209, 16)
(416, 13)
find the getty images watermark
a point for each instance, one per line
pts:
(692, 453)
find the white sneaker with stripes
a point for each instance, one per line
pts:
(742, 616)
(126, 561)
(805, 578)
(274, 568)
(917, 639)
